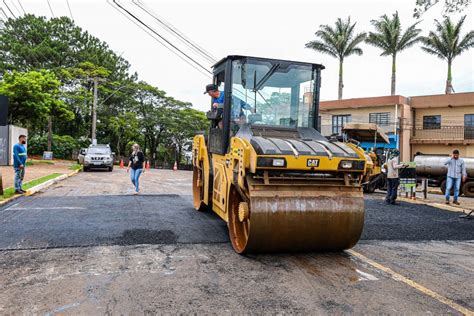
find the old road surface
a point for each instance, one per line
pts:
(88, 246)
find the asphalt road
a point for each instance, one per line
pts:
(87, 246)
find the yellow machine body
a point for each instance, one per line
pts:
(281, 189)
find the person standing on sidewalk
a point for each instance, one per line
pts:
(19, 163)
(136, 166)
(393, 180)
(456, 173)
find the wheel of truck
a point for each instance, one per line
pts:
(468, 189)
(111, 168)
(443, 189)
(85, 169)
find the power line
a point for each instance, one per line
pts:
(158, 40)
(176, 33)
(50, 9)
(69, 7)
(160, 36)
(190, 44)
(21, 6)
(5, 14)
(9, 8)
(16, 8)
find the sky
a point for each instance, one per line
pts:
(264, 28)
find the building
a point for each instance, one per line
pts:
(433, 124)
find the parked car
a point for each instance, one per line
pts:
(98, 157)
(81, 155)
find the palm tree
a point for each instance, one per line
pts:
(389, 38)
(340, 42)
(446, 43)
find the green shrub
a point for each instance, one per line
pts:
(62, 146)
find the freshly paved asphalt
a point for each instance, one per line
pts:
(75, 221)
(87, 246)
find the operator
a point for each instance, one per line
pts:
(456, 173)
(237, 109)
(393, 180)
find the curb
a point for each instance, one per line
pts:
(436, 205)
(41, 186)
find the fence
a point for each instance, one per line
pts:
(329, 129)
(447, 133)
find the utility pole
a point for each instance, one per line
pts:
(1, 184)
(94, 112)
(50, 132)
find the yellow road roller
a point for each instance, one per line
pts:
(266, 170)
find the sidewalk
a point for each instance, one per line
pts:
(34, 172)
(438, 201)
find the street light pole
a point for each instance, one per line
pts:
(94, 112)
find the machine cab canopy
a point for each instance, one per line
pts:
(262, 92)
(271, 92)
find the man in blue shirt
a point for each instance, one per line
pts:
(19, 163)
(456, 173)
(237, 106)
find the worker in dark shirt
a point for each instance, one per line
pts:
(136, 166)
(19, 163)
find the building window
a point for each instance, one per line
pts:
(338, 122)
(469, 126)
(432, 122)
(381, 119)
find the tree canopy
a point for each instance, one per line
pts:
(47, 67)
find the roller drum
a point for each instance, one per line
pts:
(299, 219)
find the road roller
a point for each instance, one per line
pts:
(264, 167)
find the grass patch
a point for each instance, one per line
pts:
(75, 167)
(33, 162)
(9, 192)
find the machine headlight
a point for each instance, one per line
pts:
(87, 158)
(352, 164)
(271, 162)
(346, 164)
(278, 162)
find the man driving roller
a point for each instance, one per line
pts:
(238, 106)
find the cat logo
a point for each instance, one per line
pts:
(312, 163)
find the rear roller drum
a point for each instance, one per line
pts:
(239, 221)
(198, 189)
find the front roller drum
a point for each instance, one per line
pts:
(296, 219)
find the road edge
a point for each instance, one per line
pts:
(441, 206)
(41, 186)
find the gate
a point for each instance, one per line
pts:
(4, 146)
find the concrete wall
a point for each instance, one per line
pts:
(450, 116)
(14, 133)
(442, 100)
(4, 148)
(410, 112)
(360, 115)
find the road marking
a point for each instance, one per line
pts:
(413, 284)
(12, 208)
(364, 276)
(62, 308)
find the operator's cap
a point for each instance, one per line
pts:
(211, 87)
